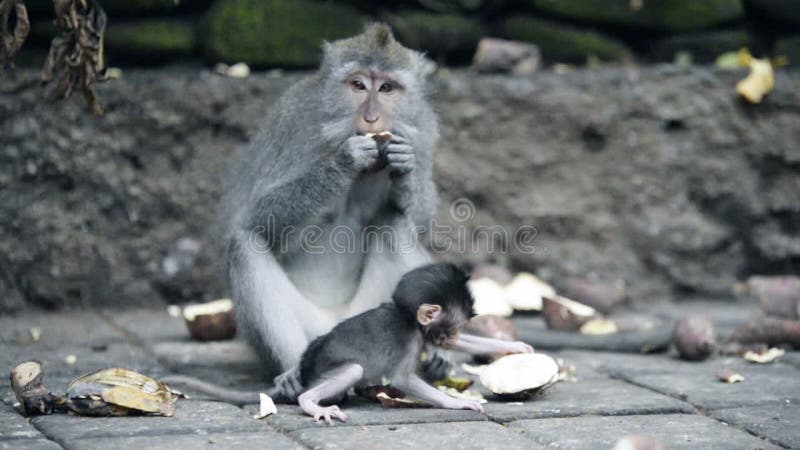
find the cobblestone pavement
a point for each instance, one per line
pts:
(679, 403)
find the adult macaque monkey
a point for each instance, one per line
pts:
(310, 184)
(322, 218)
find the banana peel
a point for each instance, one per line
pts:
(107, 392)
(759, 82)
(119, 392)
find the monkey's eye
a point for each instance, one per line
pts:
(358, 85)
(386, 87)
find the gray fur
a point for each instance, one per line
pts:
(306, 167)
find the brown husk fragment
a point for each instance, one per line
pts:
(76, 54)
(695, 338)
(11, 41)
(769, 331)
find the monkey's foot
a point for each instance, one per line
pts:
(329, 412)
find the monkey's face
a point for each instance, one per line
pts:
(440, 326)
(373, 96)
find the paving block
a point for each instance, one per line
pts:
(676, 431)
(361, 412)
(190, 417)
(263, 440)
(763, 384)
(150, 325)
(15, 426)
(461, 435)
(29, 444)
(88, 358)
(58, 328)
(780, 423)
(597, 396)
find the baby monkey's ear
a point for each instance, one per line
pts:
(428, 313)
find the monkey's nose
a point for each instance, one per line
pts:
(373, 119)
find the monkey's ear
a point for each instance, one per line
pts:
(428, 313)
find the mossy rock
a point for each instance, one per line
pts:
(151, 39)
(676, 15)
(704, 46)
(561, 43)
(139, 6)
(121, 7)
(789, 47)
(275, 33)
(445, 37)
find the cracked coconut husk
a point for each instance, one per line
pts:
(11, 40)
(76, 54)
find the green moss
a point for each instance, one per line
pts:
(560, 43)
(150, 38)
(139, 6)
(274, 33)
(680, 15)
(448, 36)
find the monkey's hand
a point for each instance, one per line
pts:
(400, 156)
(361, 153)
(461, 403)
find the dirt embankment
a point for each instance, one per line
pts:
(658, 176)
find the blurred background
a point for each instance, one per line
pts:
(286, 34)
(621, 139)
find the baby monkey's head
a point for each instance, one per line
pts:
(437, 298)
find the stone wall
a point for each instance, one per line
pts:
(659, 176)
(287, 34)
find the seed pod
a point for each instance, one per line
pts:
(694, 338)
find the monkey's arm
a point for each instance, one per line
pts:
(477, 345)
(418, 388)
(299, 197)
(333, 384)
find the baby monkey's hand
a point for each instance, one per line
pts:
(462, 403)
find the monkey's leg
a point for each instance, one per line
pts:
(274, 315)
(334, 383)
(418, 388)
(477, 345)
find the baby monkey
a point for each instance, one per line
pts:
(429, 307)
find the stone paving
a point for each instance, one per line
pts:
(676, 402)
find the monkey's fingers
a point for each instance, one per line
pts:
(397, 139)
(402, 149)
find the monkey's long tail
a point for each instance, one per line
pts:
(224, 394)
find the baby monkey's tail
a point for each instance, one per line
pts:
(227, 395)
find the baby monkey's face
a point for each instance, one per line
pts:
(445, 329)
